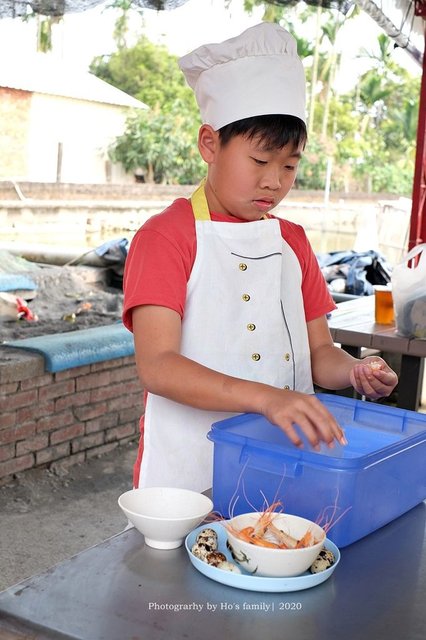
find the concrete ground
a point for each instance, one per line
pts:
(46, 518)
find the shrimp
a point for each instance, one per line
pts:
(265, 534)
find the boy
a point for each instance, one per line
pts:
(226, 302)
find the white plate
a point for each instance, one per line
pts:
(244, 580)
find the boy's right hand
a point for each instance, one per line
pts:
(286, 408)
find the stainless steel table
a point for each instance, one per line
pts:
(352, 325)
(123, 590)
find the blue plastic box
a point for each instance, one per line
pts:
(377, 477)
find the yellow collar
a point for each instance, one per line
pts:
(199, 203)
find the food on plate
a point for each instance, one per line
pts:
(205, 543)
(229, 566)
(324, 561)
(208, 537)
(215, 558)
(205, 549)
(200, 551)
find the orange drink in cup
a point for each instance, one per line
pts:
(383, 304)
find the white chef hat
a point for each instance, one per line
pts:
(255, 73)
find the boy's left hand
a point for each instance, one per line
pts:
(373, 378)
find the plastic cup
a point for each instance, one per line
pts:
(383, 306)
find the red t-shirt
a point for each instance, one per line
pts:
(162, 255)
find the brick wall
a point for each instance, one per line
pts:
(74, 191)
(138, 191)
(64, 418)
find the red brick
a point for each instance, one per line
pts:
(57, 390)
(19, 432)
(100, 451)
(112, 391)
(124, 373)
(37, 381)
(16, 464)
(7, 388)
(107, 364)
(22, 399)
(130, 414)
(35, 412)
(103, 366)
(90, 411)
(126, 401)
(123, 431)
(129, 440)
(55, 421)
(52, 453)
(101, 423)
(7, 451)
(35, 443)
(94, 380)
(67, 433)
(73, 400)
(88, 442)
(75, 372)
(7, 420)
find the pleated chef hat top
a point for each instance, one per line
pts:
(256, 73)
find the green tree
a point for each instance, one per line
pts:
(161, 145)
(161, 142)
(147, 72)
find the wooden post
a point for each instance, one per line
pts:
(59, 162)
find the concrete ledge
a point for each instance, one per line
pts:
(16, 365)
(78, 348)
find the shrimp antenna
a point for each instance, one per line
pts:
(278, 491)
(235, 497)
(328, 522)
(253, 508)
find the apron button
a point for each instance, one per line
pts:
(245, 297)
(242, 266)
(286, 387)
(255, 356)
(287, 357)
(251, 327)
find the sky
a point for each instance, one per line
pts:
(82, 36)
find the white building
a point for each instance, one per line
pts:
(56, 122)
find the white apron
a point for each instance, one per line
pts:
(244, 317)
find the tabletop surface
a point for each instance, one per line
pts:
(352, 323)
(124, 590)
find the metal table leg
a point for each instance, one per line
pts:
(410, 382)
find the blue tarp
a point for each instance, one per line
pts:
(16, 282)
(78, 348)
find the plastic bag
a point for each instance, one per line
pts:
(409, 295)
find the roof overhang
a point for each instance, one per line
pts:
(401, 20)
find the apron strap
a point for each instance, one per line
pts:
(199, 204)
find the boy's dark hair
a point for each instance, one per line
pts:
(275, 131)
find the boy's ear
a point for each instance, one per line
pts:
(208, 143)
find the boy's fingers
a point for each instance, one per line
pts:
(317, 425)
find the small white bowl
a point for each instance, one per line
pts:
(275, 563)
(164, 515)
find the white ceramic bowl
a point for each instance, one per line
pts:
(276, 563)
(164, 515)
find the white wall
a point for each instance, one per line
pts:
(84, 128)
